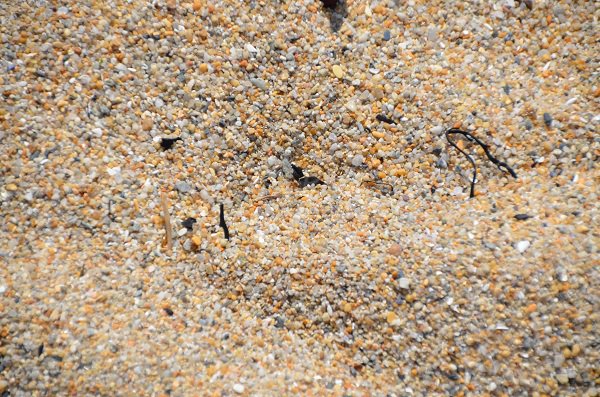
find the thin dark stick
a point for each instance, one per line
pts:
(502, 166)
(222, 222)
(384, 119)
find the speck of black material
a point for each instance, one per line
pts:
(547, 119)
(189, 223)
(385, 119)
(303, 180)
(310, 180)
(437, 151)
(222, 222)
(502, 166)
(167, 143)
(40, 349)
(168, 311)
(297, 174)
(523, 217)
(330, 3)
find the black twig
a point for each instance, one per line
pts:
(502, 166)
(384, 119)
(222, 222)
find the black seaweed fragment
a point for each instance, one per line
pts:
(167, 143)
(189, 223)
(303, 180)
(297, 174)
(310, 180)
(222, 222)
(385, 119)
(502, 166)
(523, 217)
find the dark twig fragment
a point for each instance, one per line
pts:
(502, 166)
(385, 119)
(222, 222)
(167, 143)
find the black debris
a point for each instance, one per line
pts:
(222, 222)
(385, 119)
(40, 349)
(189, 223)
(303, 180)
(310, 180)
(330, 3)
(167, 143)
(437, 151)
(523, 217)
(168, 311)
(471, 138)
(298, 174)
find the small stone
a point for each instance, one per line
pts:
(259, 83)
(183, 187)
(182, 231)
(239, 389)
(563, 379)
(357, 160)
(147, 124)
(395, 250)
(196, 241)
(11, 187)
(387, 35)
(437, 130)
(548, 120)
(203, 68)
(197, 5)
(404, 283)
(392, 319)
(337, 71)
(522, 246)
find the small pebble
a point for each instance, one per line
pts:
(183, 187)
(404, 283)
(238, 388)
(259, 83)
(522, 246)
(387, 35)
(337, 71)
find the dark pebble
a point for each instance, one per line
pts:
(523, 217)
(387, 35)
(548, 119)
(168, 311)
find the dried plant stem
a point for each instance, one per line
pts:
(167, 220)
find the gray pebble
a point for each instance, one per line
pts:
(182, 187)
